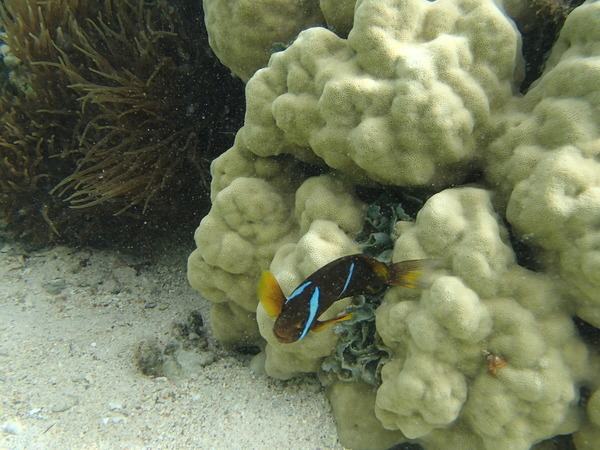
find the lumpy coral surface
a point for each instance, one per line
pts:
(421, 96)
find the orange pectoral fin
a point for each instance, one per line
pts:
(270, 294)
(318, 326)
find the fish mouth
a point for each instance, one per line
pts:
(283, 337)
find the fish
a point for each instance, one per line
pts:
(344, 277)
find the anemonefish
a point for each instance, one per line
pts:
(344, 277)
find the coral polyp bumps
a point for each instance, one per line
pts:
(115, 105)
(421, 94)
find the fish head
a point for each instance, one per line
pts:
(288, 328)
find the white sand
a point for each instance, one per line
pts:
(70, 322)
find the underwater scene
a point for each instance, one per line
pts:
(309, 224)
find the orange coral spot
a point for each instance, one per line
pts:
(494, 363)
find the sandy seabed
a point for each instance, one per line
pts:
(70, 323)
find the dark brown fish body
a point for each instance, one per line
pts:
(344, 277)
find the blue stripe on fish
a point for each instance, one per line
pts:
(299, 290)
(347, 276)
(347, 279)
(313, 307)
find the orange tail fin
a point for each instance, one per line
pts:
(410, 273)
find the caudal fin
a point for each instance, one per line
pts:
(410, 273)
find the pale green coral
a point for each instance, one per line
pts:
(546, 164)
(351, 404)
(322, 243)
(421, 94)
(244, 33)
(404, 100)
(339, 15)
(236, 239)
(588, 436)
(251, 219)
(326, 198)
(437, 385)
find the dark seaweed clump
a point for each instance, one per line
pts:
(539, 35)
(360, 354)
(111, 120)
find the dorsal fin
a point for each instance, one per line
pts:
(270, 294)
